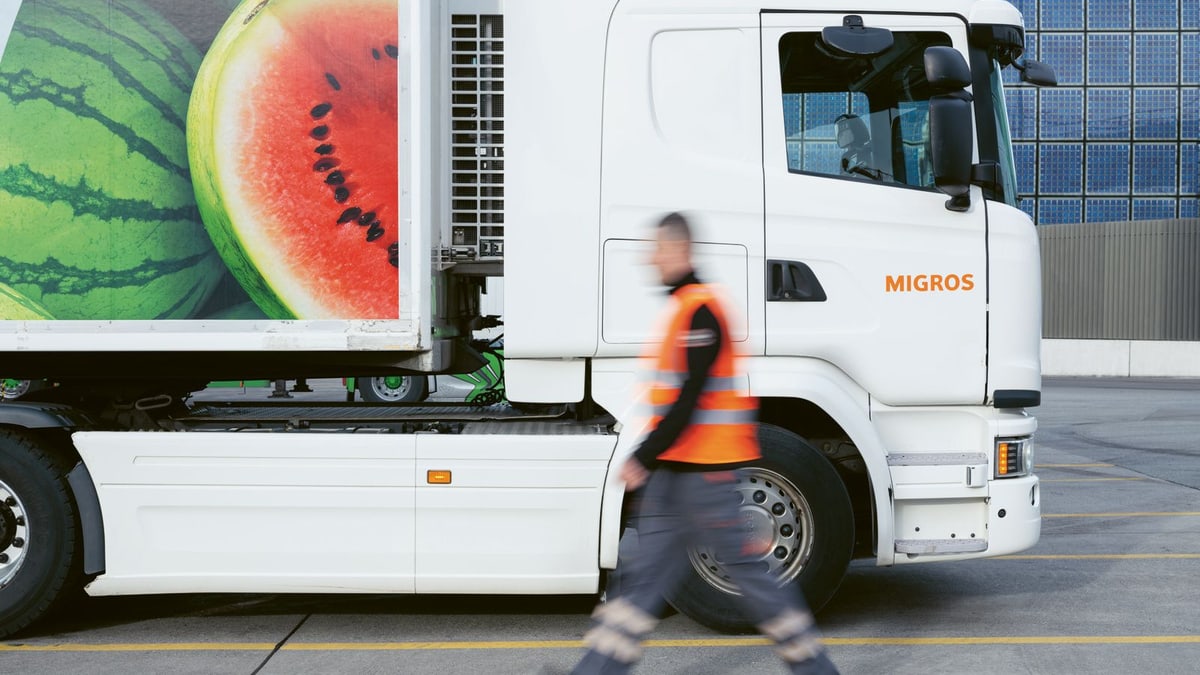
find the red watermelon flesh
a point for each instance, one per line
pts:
(294, 123)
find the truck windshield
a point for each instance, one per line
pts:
(1004, 151)
(859, 118)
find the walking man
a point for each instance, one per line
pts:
(702, 430)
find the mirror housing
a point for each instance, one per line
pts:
(853, 39)
(946, 70)
(950, 133)
(1037, 73)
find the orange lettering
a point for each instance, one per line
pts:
(923, 283)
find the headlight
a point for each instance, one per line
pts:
(1014, 457)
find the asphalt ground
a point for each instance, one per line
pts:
(1110, 588)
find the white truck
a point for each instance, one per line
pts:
(172, 213)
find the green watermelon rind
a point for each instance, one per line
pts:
(17, 307)
(206, 160)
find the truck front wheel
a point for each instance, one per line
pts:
(40, 545)
(795, 495)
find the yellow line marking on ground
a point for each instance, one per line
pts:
(577, 644)
(1104, 556)
(430, 646)
(1089, 480)
(1023, 640)
(1071, 466)
(1132, 514)
(143, 647)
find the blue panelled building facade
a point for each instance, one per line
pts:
(1117, 139)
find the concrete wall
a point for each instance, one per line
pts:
(1120, 358)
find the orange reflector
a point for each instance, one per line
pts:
(438, 477)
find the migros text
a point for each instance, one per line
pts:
(928, 283)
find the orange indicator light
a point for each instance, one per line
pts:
(438, 477)
(1003, 458)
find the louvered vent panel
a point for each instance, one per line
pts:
(477, 136)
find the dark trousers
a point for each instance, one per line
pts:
(677, 510)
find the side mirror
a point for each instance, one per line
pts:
(946, 69)
(1037, 73)
(852, 38)
(950, 133)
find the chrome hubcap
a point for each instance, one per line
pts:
(14, 534)
(780, 525)
(392, 388)
(14, 388)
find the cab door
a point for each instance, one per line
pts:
(866, 267)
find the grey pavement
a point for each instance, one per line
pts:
(1108, 594)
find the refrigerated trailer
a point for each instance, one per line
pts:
(285, 188)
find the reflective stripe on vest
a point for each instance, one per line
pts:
(722, 429)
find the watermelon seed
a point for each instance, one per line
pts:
(340, 195)
(366, 218)
(391, 51)
(375, 223)
(333, 82)
(320, 132)
(325, 164)
(375, 53)
(324, 149)
(321, 110)
(335, 178)
(348, 215)
(374, 233)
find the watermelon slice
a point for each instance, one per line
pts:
(292, 141)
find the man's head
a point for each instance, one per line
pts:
(673, 248)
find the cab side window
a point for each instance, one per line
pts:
(858, 118)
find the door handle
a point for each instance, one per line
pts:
(792, 281)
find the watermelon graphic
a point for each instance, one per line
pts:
(97, 213)
(292, 140)
(17, 307)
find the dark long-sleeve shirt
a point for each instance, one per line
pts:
(703, 341)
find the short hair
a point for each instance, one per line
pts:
(676, 226)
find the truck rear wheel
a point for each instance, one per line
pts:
(795, 494)
(393, 389)
(40, 549)
(13, 389)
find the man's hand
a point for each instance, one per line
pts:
(634, 474)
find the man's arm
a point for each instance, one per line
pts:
(703, 341)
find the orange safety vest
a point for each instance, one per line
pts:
(723, 427)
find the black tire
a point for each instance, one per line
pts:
(410, 389)
(818, 551)
(39, 534)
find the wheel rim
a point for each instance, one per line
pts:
(781, 524)
(14, 388)
(14, 534)
(392, 388)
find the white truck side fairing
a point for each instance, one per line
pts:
(520, 513)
